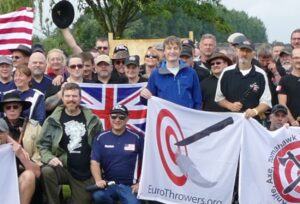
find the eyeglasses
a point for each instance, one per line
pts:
(15, 57)
(118, 62)
(73, 66)
(215, 63)
(121, 117)
(9, 107)
(151, 56)
(102, 48)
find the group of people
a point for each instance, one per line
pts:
(57, 141)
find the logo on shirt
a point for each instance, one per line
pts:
(129, 147)
(75, 130)
(109, 146)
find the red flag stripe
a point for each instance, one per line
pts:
(16, 19)
(15, 30)
(16, 41)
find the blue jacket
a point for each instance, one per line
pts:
(183, 89)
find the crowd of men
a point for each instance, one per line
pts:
(67, 144)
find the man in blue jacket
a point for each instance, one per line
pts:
(174, 80)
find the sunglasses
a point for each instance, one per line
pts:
(215, 63)
(73, 66)
(102, 48)
(121, 117)
(118, 62)
(15, 57)
(151, 56)
(9, 107)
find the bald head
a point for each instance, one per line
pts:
(37, 64)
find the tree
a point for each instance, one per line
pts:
(12, 5)
(117, 15)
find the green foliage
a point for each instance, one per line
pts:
(7, 6)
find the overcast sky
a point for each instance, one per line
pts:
(280, 17)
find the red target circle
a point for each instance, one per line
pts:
(288, 174)
(168, 134)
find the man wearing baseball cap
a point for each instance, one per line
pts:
(132, 70)
(104, 70)
(278, 117)
(6, 80)
(20, 55)
(244, 87)
(116, 153)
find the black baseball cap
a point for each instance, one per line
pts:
(118, 108)
(279, 108)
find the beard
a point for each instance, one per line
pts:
(244, 61)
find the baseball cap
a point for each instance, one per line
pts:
(134, 59)
(285, 51)
(279, 108)
(22, 48)
(246, 44)
(188, 42)
(102, 58)
(186, 51)
(5, 60)
(38, 48)
(231, 38)
(121, 47)
(118, 108)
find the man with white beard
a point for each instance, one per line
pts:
(37, 65)
(243, 87)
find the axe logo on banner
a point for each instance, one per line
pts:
(176, 162)
(284, 175)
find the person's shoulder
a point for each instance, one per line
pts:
(134, 133)
(103, 135)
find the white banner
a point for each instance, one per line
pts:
(190, 156)
(9, 192)
(269, 165)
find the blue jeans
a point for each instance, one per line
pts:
(115, 192)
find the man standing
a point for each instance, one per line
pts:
(295, 38)
(288, 89)
(244, 87)
(37, 65)
(6, 79)
(218, 61)
(116, 158)
(186, 55)
(104, 70)
(65, 147)
(20, 55)
(174, 80)
(207, 46)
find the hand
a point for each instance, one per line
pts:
(3, 138)
(58, 80)
(135, 188)
(272, 67)
(55, 162)
(101, 183)
(295, 123)
(235, 106)
(250, 113)
(146, 93)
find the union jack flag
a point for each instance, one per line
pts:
(100, 98)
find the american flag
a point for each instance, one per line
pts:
(16, 28)
(102, 97)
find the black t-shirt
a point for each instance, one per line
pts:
(289, 85)
(208, 87)
(75, 142)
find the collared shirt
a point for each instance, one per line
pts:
(251, 89)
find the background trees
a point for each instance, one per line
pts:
(143, 19)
